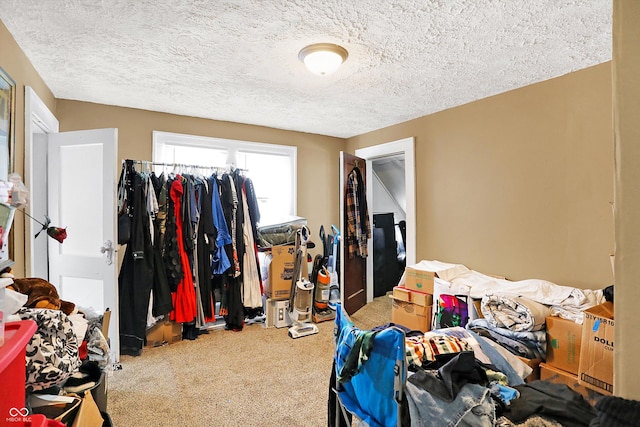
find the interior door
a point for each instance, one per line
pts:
(82, 197)
(353, 271)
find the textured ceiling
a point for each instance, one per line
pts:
(238, 60)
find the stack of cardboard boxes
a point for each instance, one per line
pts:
(413, 303)
(581, 356)
(279, 275)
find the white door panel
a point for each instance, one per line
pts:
(38, 265)
(82, 197)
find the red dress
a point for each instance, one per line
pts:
(184, 299)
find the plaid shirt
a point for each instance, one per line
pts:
(356, 237)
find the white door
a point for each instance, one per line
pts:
(82, 197)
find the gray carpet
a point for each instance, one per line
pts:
(256, 377)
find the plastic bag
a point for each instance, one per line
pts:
(19, 192)
(452, 305)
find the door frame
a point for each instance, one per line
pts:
(405, 147)
(37, 116)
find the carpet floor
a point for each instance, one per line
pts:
(256, 377)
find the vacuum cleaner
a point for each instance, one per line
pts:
(301, 295)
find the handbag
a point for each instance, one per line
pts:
(124, 228)
(124, 220)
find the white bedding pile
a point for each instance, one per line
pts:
(563, 301)
(515, 313)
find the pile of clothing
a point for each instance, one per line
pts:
(452, 375)
(68, 341)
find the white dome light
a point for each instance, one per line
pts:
(323, 58)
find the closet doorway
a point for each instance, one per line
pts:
(71, 177)
(398, 155)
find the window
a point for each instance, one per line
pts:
(272, 168)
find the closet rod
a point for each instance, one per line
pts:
(182, 165)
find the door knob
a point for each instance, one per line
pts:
(108, 250)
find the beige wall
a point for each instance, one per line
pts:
(318, 156)
(518, 184)
(16, 64)
(626, 95)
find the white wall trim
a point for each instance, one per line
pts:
(406, 147)
(38, 118)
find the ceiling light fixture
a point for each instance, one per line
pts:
(323, 58)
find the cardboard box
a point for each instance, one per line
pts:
(419, 280)
(596, 351)
(421, 298)
(163, 333)
(415, 297)
(106, 319)
(281, 272)
(477, 305)
(413, 316)
(558, 376)
(564, 338)
(401, 293)
(533, 364)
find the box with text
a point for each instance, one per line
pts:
(419, 280)
(596, 351)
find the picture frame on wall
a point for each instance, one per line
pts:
(7, 122)
(6, 220)
(7, 136)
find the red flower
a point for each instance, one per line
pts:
(57, 233)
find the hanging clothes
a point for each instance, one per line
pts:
(236, 185)
(184, 297)
(171, 253)
(232, 306)
(253, 217)
(200, 247)
(357, 215)
(230, 207)
(252, 203)
(251, 286)
(161, 291)
(136, 274)
(220, 259)
(206, 246)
